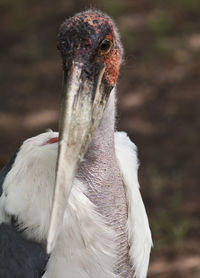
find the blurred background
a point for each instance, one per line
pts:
(158, 104)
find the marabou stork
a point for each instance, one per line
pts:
(78, 196)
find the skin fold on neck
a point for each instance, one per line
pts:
(101, 176)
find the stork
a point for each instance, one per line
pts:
(76, 193)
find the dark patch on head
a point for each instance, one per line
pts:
(79, 41)
(79, 38)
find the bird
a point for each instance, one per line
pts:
(70, 204)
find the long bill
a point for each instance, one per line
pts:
(82, 107)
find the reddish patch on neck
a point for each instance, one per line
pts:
(52, 140)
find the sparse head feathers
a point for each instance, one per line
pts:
(92, 38)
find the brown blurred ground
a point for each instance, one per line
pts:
(159, 96)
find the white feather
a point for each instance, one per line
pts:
(28, 187)
(85, 247)
(138, 226)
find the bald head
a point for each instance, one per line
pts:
(92, 39)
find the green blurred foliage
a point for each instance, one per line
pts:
(167, 227)
(161, 23)
(162, 46)
(112, 7)
(192, 6)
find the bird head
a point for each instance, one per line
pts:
(91, 53)
(91, 40)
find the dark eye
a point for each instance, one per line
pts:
(105, 46)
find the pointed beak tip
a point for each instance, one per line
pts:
(49, 248)
(50, 244)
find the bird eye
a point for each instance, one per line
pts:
(105, 46)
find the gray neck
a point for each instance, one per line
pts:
(104, 135)
(100, 174)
